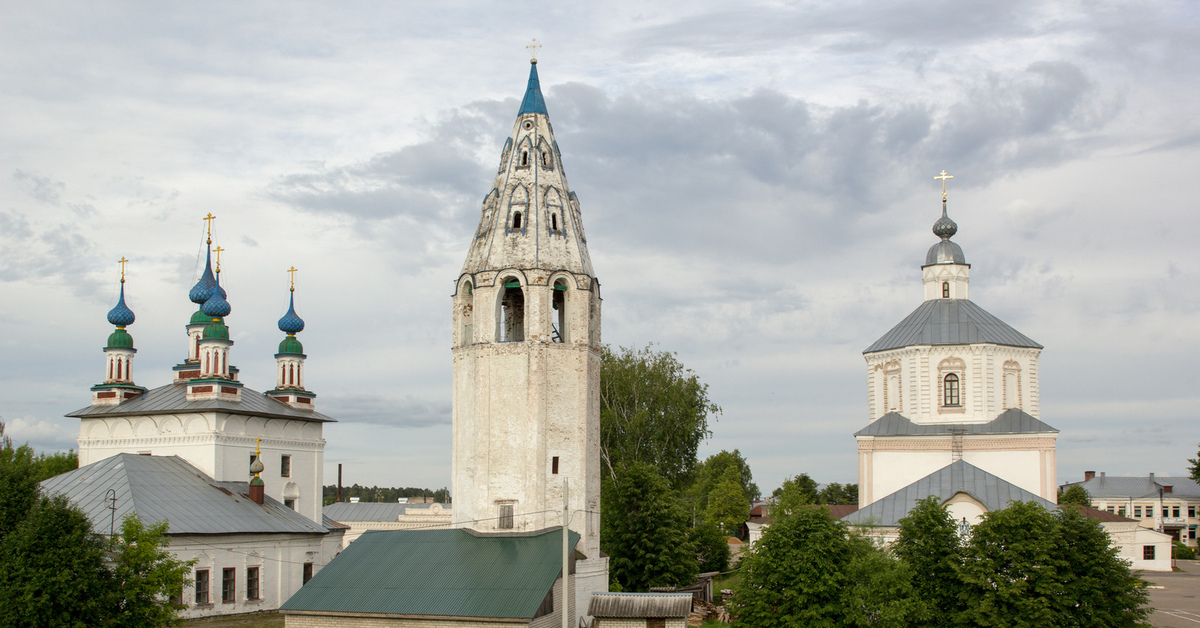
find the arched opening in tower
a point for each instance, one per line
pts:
(511, 321)
(558, 325)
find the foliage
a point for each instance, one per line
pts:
(644, 530)
(880, 589)
(383, 494)
(715, 468)
(835, 493)
(18, 483)
(47, 465)
(52, 570)
(712, 548)
(1074, 494)
(796, 491)
(796, 574)
(1024, 566)
(147, 575)
(728, 507)
(1179, 551)
(1195, 467)
(929, 544)
(653, 411)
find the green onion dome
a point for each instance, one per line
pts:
(216, 330)
(291, 346)
(120, 339)
(199, 318)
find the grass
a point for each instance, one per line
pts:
(249, 620)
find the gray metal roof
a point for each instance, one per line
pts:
(172, 398)
(371, 511)
(1139, 487)
(945, 252)
(441, 573)
(1011, 421)
(957, 477)
(950, 322)
(167, 487)
(640, 605)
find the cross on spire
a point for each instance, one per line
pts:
(122, 261)
(533, 48)
(292, 278)
(943, 177)
(218, 250)
(208, 225)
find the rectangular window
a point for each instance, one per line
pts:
(506, 517)
(1111, 509)
(1192, 531)
(1121, 510)
(176, 599)
(290, 503)
(656, 622)
(308, 567)
(1192, 511)
(285, 466)
(228, 585)
(252, 583)
(1147, 552)
(1137, 511)
(554, 465)
(1175, 511)
(1166, 511)
(202, 586)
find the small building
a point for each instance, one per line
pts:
(1164, 504)
(1140, 546)
(640, 610)
(359, 517)
(431, 578)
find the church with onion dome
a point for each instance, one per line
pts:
(238, 473)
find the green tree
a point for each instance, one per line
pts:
(880, 590)
(929, 544)
(1195, 468)
(795, 492)
(714, 469)
(654, 411)
(712, 547)
(834, 493)
(18, 483)
(645, 530)
(1098, 587)
(728, 506)
(148, 575)
(52, 570)
(796, 575)
(1074, 494)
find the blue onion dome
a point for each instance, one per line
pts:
(203, 289)
(290, 345)
(216, 306)
(120, 339)
(291, 323)
(121, 315)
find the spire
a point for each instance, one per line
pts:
(118, 351)
(946, 273)
(121, 315)
(204, 288)
(289, 372)
(533, 102)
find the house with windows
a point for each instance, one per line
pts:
(1160, 503)
(359, 517)
(236, 473)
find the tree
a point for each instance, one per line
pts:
(1074, 494)
(881, 590)
(714, 468)
(835, 493)
(653, 410)
(148, 575)
(796, 574)
(18, 483)
(1195, 468)
(795, 492)
(1099, 587)
(644, 530)
(929, 544)
(728, 508)
(712, 547)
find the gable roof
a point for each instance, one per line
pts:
(159, 488)
(950, 322)
(440, 573)
(1099, 515)
(1139, 486)
(374, 511)
(172, 398)
(640, 605)
(1011, 421)
(957, 477)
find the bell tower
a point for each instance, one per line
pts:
(526, 336)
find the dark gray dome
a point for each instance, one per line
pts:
(945, 252)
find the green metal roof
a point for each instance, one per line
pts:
(444, 573)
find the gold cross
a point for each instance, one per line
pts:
(122, 262)
(292, 277)
(943, 177)
(208, 225)
(218, 250)
(533, 48)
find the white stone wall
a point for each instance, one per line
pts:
(220, 444)
(938, 277)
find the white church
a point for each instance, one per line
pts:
(237, 473)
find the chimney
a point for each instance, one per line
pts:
(1087, 475)
(339, 497)
(1167, 488)
(1151, 477)
(257, 490)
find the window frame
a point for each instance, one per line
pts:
(253, 582)
(202, 585)
(229, 585)
(285, 465)
(1147, 552)
(951, 391)
(507, 516)
(306, 574)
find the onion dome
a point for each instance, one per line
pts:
(216, 330)
(257, 467)
(291, 345)
(291, 323)
(946, 251)
(216, 306)
(203, 290)
(120, 339)
(121, 315)
(199, 318)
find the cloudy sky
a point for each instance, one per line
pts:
(756, 179)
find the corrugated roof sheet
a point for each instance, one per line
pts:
(372, 511)
(1011, 421)
(172, 398)
(167, 487)
(950, 322)
(957, 477)
(446, 573)
(1139, 487)
(1099, 515)
(640, 605)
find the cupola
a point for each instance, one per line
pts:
(289, 362)
(217, 379)
(118, 353)
(946, 273)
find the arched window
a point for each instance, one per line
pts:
(516, 221)
(510, 320)
(524, 159)
(945, 289)
(558, 323)
(950, 390)
(110, 368)
(554, 222)
(206, 363)
(466, 309)
(518, 202)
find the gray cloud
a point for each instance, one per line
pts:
(40, 188)
(408, 411)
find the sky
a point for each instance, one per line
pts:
(756, 180)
